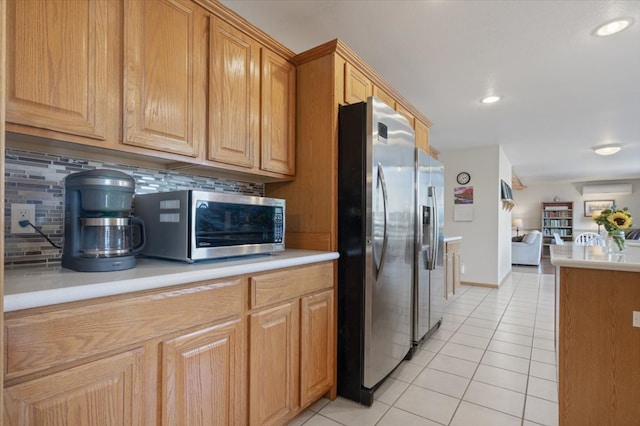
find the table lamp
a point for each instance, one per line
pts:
(517, 223)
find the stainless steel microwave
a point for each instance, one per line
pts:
(194, 225)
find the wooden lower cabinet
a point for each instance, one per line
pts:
(240, 350)
(317, 348)
(292, 342)
(104, 392)
(202, 377)
(598, 347)
(274, 364)
(452, 267)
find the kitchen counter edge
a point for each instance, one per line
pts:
(587, 257)
(49, 285)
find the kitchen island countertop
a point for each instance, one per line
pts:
(576, 256)
(48, 285)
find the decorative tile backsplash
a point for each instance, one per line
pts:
(36, 178)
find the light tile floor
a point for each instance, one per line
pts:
(492, 362)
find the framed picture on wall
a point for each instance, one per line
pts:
(505, 192)
(591, 207)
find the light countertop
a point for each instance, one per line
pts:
(576, 256)
(449, 239)
(48, 285)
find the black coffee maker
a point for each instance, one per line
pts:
(98, 229)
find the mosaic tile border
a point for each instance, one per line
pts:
(37, 178)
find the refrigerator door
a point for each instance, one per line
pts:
(389, 228)
(424, 241)
(436, 272)
(428, 296)
(375, 241)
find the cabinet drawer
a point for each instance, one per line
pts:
(42, 340)
(292, 283)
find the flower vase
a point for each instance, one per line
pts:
(616, 242)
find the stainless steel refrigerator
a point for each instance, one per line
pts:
(429, 285)
(376, 217)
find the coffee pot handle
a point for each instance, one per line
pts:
(143, 234)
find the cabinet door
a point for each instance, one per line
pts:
(278, 114)
(422, 135)
(107, 392)
(357, 87)
(274, 364)
(448, 275)
(57, 69)
(384, 97)
(234, 91)
(203, 376)
(456, 272)
(165, 76)
(317, 355)
(406, 114)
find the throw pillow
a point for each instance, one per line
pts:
(633, 234)
(529, 238)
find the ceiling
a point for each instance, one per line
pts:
(564, 90)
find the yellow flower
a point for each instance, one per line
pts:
(620, 220)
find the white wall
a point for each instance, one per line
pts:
(486, 240)
(529, 203)
(504, 224)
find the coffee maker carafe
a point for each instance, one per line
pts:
(98, 231)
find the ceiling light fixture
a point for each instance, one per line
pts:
(613, 27)
(609, 149)
(490, 99)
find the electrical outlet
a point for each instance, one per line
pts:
(22, 212)
(636, 318)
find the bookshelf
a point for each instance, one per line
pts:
(557, 218)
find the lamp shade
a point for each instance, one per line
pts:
(517, 223)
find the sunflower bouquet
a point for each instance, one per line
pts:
(615, 221)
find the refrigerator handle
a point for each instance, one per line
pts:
(435, 225)
(385, 200)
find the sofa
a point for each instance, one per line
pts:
(528, 251)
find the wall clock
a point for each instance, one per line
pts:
(463, 178)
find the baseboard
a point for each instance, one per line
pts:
(479, 284)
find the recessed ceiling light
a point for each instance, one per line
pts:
(613, 27)
(607, 149)
(490, 99)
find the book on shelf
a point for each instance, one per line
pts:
(556, 207)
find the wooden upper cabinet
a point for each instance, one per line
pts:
(406, 114)
(278, 114)
(357, 87)
(165, 62)
(422, 135)
(384, 97)
(234, 90)
(57, 65)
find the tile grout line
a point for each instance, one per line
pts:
(411, 382)
(526, 389)
(521, 285)
(485, 350)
